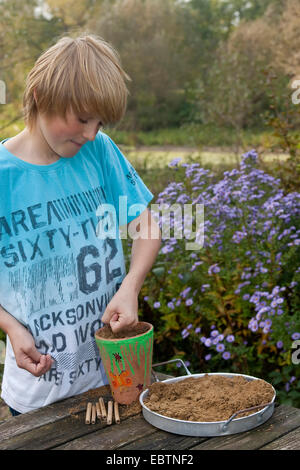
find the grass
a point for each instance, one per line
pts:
(188, 135)
(191, 135)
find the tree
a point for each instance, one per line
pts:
(23, 36)
(149, 37)
(236, 94)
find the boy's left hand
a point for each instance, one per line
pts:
(122, 310)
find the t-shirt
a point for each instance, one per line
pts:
(60, 264)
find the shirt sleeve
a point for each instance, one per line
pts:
(130, 194)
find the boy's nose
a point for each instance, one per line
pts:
(90, 133)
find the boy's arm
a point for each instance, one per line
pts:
(122, 310)
(26, 354)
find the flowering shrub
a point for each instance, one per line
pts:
(234, 304)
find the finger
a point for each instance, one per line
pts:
(33, 354)
(49, 362)
(43, 366)
(117, 323)
(106, 317)
(34, 368)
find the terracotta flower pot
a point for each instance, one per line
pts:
(127, 363)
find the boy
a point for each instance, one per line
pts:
(58, 277)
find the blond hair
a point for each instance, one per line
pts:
(81, 74)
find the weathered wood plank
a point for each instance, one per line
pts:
(57, 433)
(50, 434)
(291, 441)
(112, 437)
(53, 413)
(66, 429)
(48, 414)
(284, 419)
(162, 440)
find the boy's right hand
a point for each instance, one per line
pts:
(26, 354)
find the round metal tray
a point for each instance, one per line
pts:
(210, 428)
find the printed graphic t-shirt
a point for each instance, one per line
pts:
(57, 274)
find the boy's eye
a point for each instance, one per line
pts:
(83, 121)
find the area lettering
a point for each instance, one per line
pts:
(40, 215)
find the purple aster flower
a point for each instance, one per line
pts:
(279, 344)
(214, 333)
(170, 305)
(204, 286)
(207, 342)
(156, 304)
(185, 292)
(230, 338)
(185, 333)
(213, 269)
(198, 329)
(220, 347)
(253, 325)
(246, 296)
(255, 299)
(175, 161)
(263, 270)
(207, 357)
(263, 310)
(226, 355)
(146, 298)
(295, 336)
(238, 236)
(189, 302)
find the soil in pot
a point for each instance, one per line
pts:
(209, 398)
(107, 333)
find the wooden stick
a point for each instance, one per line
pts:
(117, 415)
(88, 413)
(110, 412)
(98, 410)
(93, 414)
(102, 407)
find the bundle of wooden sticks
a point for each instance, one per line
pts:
(98, 410)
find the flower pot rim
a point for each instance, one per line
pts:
(115, 340)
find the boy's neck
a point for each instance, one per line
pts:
(31, 147)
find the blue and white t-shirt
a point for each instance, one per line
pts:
(57, 274)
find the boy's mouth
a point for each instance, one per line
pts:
(75, 143)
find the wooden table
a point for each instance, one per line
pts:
(61, 426)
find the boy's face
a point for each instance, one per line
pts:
(65, 137)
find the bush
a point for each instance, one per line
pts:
(234, 304)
